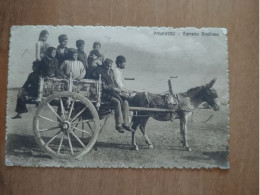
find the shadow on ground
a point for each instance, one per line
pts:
(26, 146)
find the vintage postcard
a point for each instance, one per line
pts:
(117, 97)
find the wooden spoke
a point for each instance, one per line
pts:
(62, 108)
(80, 130)
(71, 108)
(79, 113)
(54, 111)
(52, 128)
(77, 139)
(90, 127)
(82, 135)
(48, 119)
(60, 143)
(52, 138)
(71, 148)
(79, 122)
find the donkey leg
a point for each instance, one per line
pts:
(142, 128)
(134, 145)
(183, 129)
(135, 124)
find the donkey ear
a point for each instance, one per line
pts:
(211, 83)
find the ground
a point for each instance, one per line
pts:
(208, 141)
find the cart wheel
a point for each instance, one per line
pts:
(66, 125)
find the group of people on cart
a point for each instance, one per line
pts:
(64, 62)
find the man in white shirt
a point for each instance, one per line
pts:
(72, 67)
(119, 78)
(120, 64)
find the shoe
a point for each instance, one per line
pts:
(17, 116)
(127, 127)
(120, 129)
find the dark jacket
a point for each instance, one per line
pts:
(61, 57)
(49, 67)
(108, 85)
(82, 56)
(32, 84)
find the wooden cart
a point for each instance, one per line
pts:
(67, 122)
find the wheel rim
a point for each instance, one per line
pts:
(65, 125)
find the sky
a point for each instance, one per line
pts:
(151, 59)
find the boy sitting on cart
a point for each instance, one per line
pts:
(72, 67)
(111, 93)
(29, 89)
(49, 66)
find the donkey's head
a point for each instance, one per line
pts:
(210, 95)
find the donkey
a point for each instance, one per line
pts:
(186, 103)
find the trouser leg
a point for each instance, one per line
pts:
(118, 112)
(125, 110)
(21, 103)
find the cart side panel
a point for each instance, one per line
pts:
(86, 87)
(53, 85)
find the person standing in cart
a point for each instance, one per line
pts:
(29, 89)
(62, 49)
(72, 67)
(42, 45)
(82, 56)
(111, 93)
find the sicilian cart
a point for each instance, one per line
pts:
(67, 122)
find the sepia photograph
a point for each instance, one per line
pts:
(117, 97)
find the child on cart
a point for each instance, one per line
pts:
(29, 90)
(49, 66)
(72, 67)
(97, 46)
(62, 49)
(111, 93)
(42, 45)
(93, 62)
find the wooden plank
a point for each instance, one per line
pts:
(150, 109)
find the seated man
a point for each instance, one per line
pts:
(72, 67)
(111, 93)
(30, 88)
(119, 79)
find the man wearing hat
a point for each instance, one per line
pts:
(62, 49)
(82, 56)
(72, 67)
